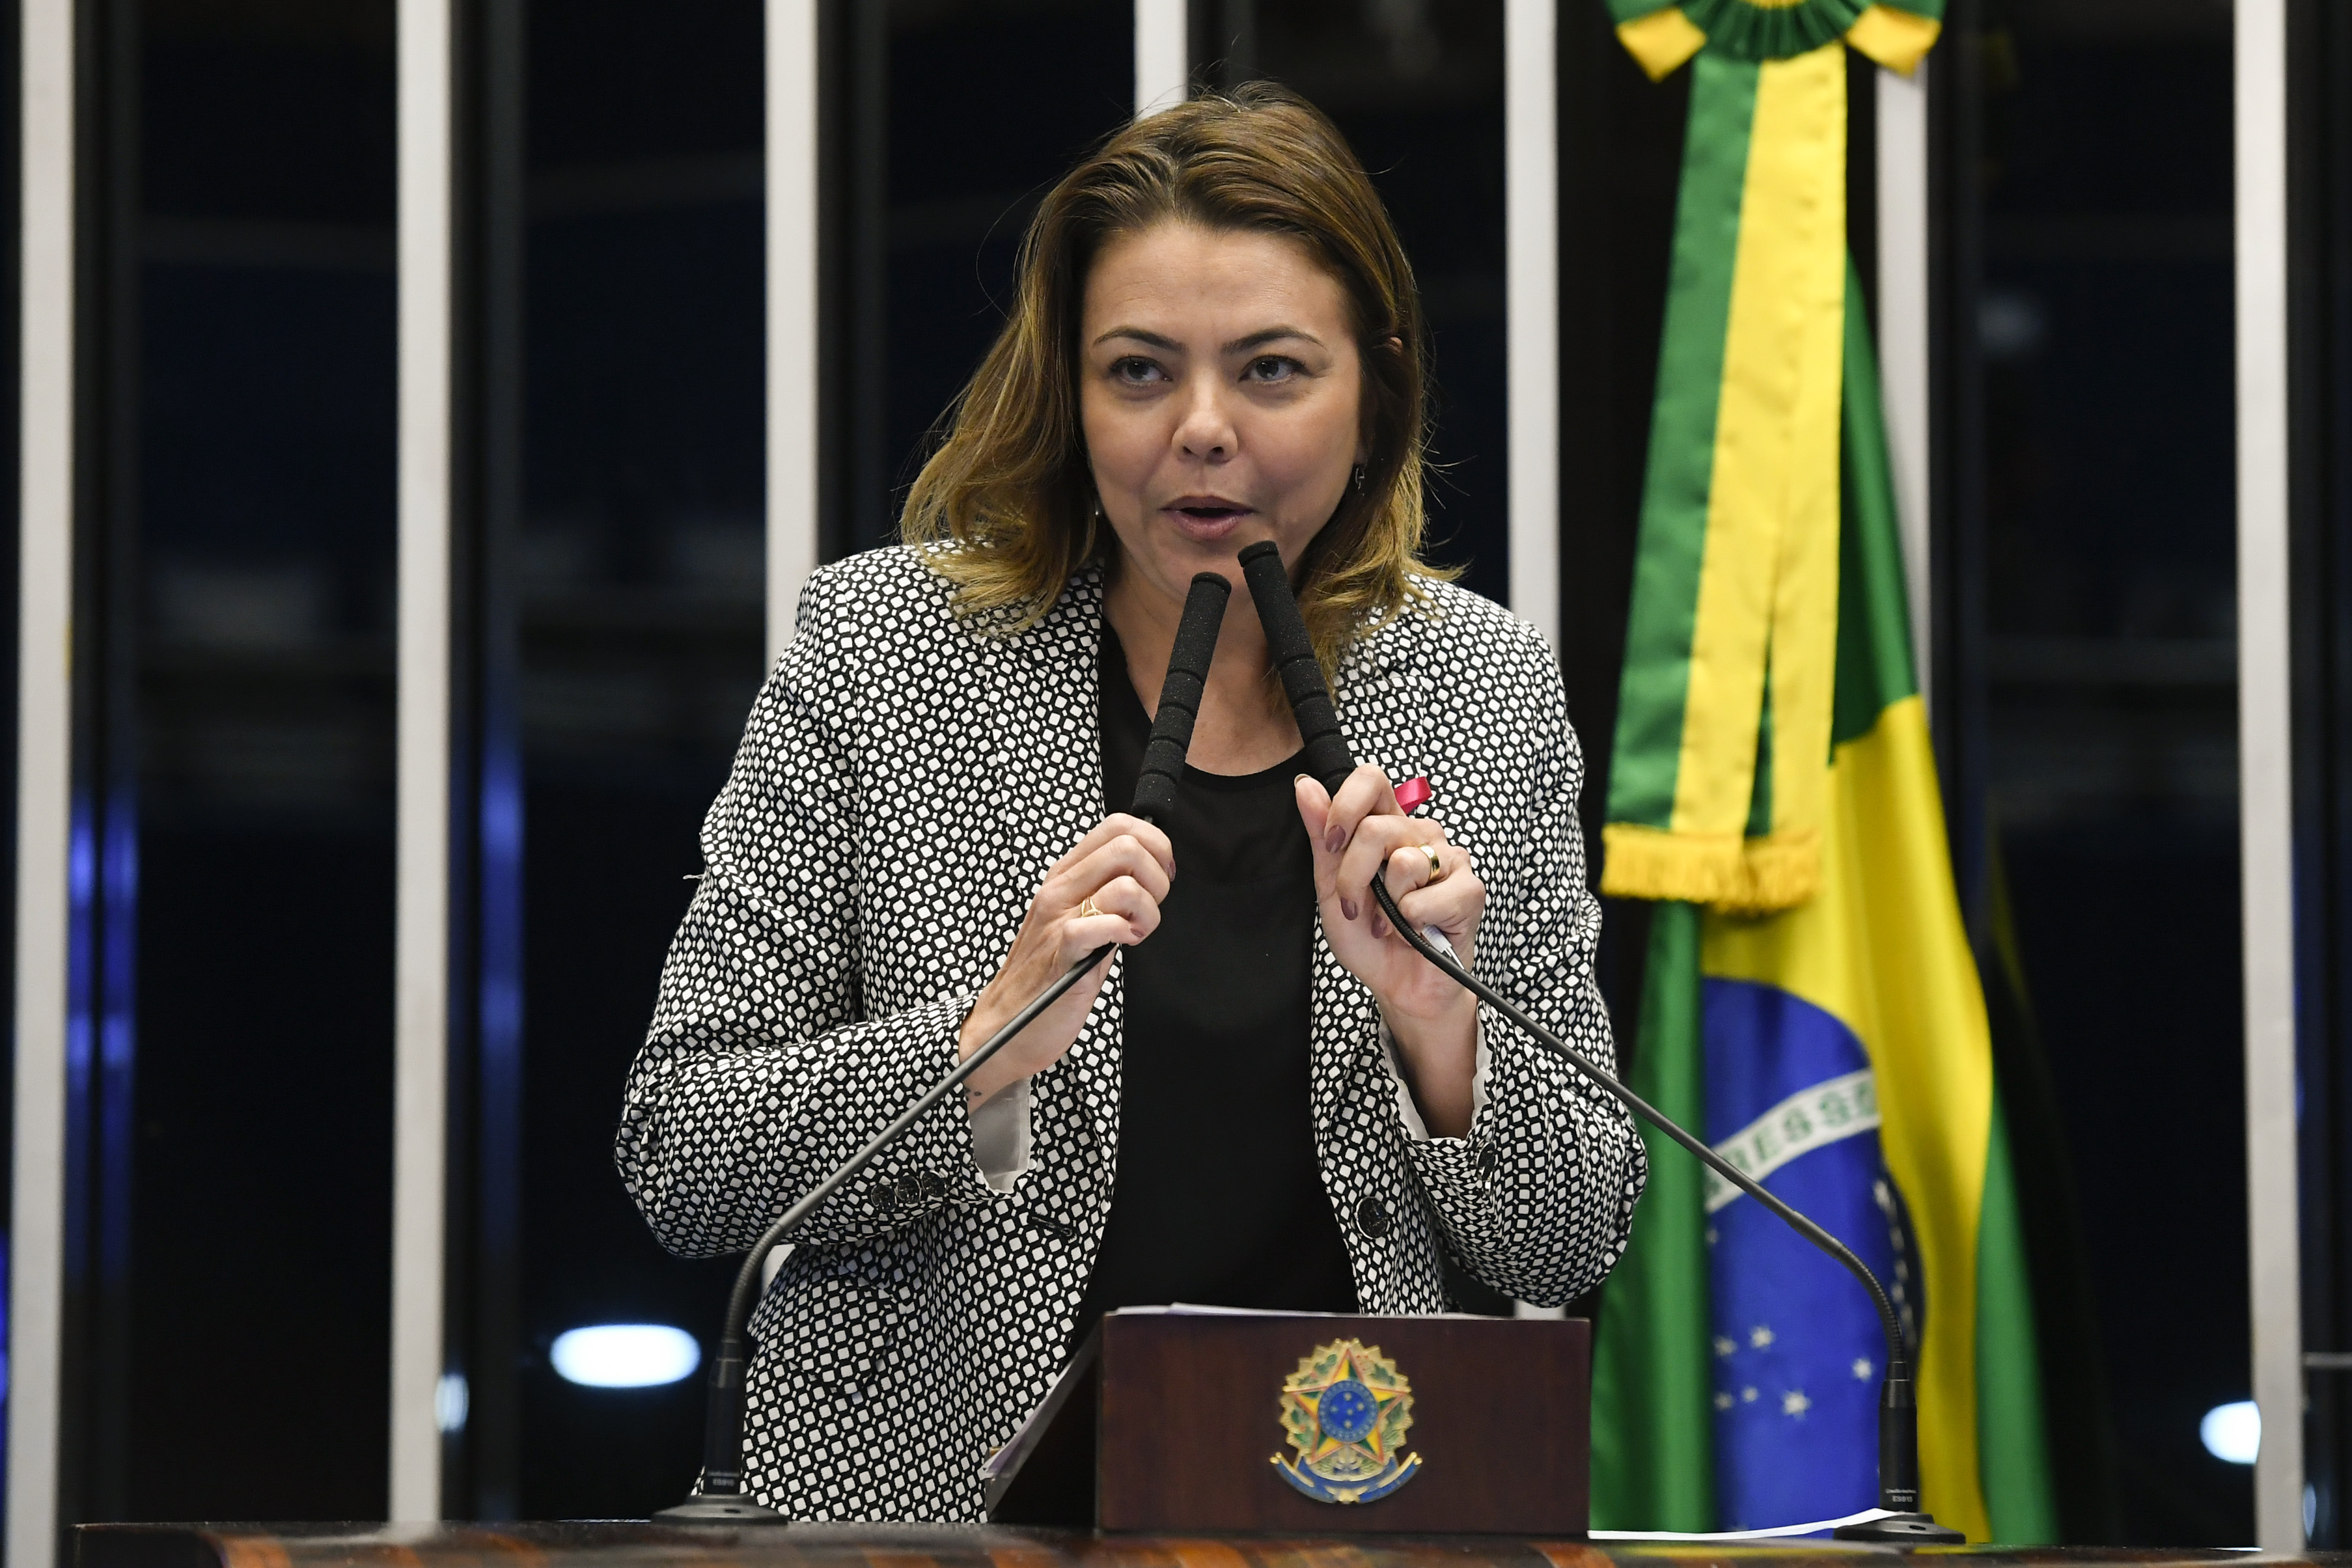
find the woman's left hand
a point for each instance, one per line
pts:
(1362, 833)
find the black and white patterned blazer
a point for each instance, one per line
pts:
(904, 783)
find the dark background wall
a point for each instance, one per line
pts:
(2086, 709)
(2320, 208)
(632, 543)
(230, 1054)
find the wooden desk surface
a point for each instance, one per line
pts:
(624, 1544)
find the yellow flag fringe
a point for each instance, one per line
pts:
(1723, 870)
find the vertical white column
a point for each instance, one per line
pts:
(1163, 66)
(2266, 798)
(1531, 320)
(793, 250)
(1903, 333)
(421, 1002)
(44, 778)
(1531, 303)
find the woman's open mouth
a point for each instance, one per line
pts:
(1205, 516)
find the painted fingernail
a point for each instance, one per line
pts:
(1334, 841)
(1299, 779)
(1379, 928)
(1347, 907)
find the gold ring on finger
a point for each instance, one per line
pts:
(1089, 909)
(1436, 863)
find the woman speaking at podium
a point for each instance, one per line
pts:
(1265, 1099)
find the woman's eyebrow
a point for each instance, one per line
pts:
(1242, 345)
(1259, 340)
(1139, 335)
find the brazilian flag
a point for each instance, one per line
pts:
(1839, 1051)
(1811, 1000)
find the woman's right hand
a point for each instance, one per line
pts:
(1124, 866)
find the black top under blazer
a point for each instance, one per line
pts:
(906, 780)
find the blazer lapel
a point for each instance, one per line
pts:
(1379, 701)
(1053, 789)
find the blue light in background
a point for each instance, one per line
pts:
(2234, 1432)
(625, 1355)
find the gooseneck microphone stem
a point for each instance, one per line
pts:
(1325, 756)
(718, 1498)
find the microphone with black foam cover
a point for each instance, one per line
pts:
(720, 1498)
(1328, 759)
(1326, 755)
(1180, 694)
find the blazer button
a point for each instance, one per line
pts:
(1372, 1218)
(884, 1196)
(1487, 1161)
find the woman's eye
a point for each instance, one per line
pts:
(1271, 368)
(1134, 371)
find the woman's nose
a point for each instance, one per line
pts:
(1206, 430)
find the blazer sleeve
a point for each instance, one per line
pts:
(1536, 1200)
(760, 1072)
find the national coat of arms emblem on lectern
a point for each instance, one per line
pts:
(1346, 1411)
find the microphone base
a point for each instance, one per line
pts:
(1902, 1529)
(699, 1509)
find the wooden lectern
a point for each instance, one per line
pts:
(1177, 1420)
(641, 1545)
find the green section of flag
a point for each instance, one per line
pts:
(1673, 540)
(2012, 1443)
(1653, 1426)
(1754, 32)
(1874, 648)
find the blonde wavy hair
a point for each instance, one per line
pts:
(1008, 484)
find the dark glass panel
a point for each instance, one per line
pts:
(2090, 722)
(2320, 229)
(239, 902)
(956, 116)
(623, 647)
